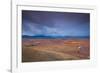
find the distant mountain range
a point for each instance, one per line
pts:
(44, 36)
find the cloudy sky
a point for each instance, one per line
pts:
(55, 23)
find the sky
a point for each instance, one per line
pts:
(55, 23)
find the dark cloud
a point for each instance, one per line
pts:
(55, 23)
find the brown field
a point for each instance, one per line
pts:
(35, 50)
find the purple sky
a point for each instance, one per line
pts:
(55, 23)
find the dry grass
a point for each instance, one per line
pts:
(34, 50)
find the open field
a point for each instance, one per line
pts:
(35, 50)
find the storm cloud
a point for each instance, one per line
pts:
(55, 23)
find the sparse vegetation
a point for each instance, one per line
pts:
(54, 49)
